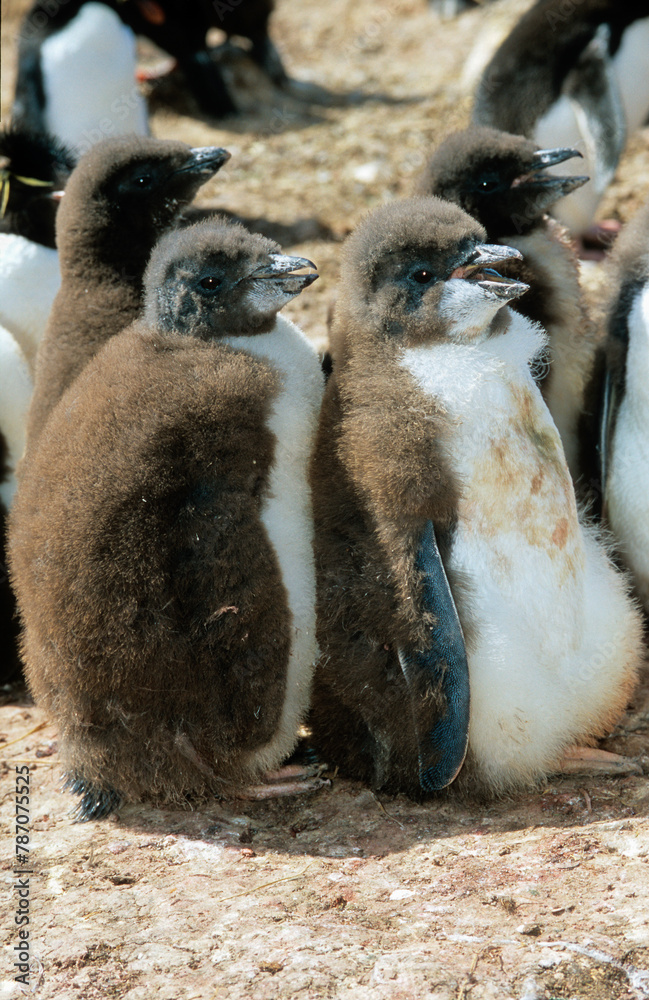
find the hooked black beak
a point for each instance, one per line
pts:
(548, 188)
(275, 282)
(476, 269)
(204, 161)
(280, 270)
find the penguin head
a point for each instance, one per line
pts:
(34, 169)
(419, 271)
(126, 191)
(498, 178)
(216, 279)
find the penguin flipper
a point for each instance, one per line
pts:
(595, 96)
(96, 802)
(442, 666)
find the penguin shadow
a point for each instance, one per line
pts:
(346, 820)
(261, 103)
(303, 230)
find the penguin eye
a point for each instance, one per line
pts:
(488, 184)
(211, 283)
(423, 276)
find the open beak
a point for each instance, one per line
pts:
(548, 188)
(477, 270)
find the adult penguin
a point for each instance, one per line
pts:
(572, 74)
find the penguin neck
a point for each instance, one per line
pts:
(105, 254)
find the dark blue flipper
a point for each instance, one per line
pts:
(440, 666)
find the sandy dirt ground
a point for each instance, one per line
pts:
(342, 894)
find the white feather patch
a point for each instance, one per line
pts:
(29, 281)
(15, 394)
(628, 482)
(89, 79)
(287, 510)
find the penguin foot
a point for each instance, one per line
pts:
(96, 802)
(587, 760)
(594, 243)
(293, 779)
(147, 74)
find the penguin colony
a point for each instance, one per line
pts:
(210, 548)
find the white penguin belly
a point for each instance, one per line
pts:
(627, 489)
(29, 281)
(562, 125)
(15, 394)
(556, 635)
(630, 65)
(89, 79)
(287, 509)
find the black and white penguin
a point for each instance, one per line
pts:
(118, 202)
(171, 633)
(435, 437)
(574, 75)
(502, 180)
(619, 402)
(34, 169)
(76, 74)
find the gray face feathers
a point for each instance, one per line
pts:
(419, 270)
(217, 279)
(498, 178)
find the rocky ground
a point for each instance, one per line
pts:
(343, 893)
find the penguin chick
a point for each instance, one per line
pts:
(501, 180)
(161, 541)
(572, 75)
(119, 200)
(432, 423)
(76, 74)
(615, 423)
(34, 169)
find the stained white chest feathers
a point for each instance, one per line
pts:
(287, 509)
(544, 599)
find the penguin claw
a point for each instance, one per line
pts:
(587, 760)
(96, 802)
(290, 780)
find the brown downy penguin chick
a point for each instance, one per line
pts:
(432, 426)
(502, 181)
(161, 542)
(119, 200)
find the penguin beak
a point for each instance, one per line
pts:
(204, 161)
(476, 269)
(548, 188)
(279, 272)
(275, 282)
